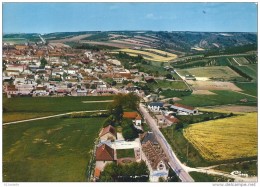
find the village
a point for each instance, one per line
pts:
(39, 70)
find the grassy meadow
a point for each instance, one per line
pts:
(50, 150)
(17, 116)
(124, 153)
(222, 97)
(164, 84)
(213, 72)
(21, 108)
(248, 88)
(204, 177)
(225, 139)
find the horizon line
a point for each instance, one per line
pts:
(130, 31)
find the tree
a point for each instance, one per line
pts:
(38, 81)
(161, 179)
(93, 86)
(43, 62)
(109, 121)
(133, 172)
(129, 134)
(172, 177)
(179, 126)
(130, 101)
(117, 112)
(113, 83)
(168, 76)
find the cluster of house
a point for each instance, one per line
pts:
(166, 113)
(146, 148)
(68, 71)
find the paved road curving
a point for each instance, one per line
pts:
(174, 162)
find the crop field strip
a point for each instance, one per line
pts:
(149, 55)
(238, 140)
(251, 72)
(217, 72)
(160, 52)
(241, 60)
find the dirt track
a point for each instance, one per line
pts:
(234, 108)
(212, 85)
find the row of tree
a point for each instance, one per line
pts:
(133, 172)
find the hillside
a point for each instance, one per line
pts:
(177, 42)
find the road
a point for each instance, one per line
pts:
(52, 116)
(174, 162)
(184, 81)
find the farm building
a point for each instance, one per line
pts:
(184, 110)
(190, 77)
(155, 106)
(108, 133)
(171, 120)
(137, 119)
(154, 156)
(104, 155)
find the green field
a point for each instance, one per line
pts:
(222, 97)
(164, 84)
(240, 60)
(250, 70)
(180, 146)
(54, 104)
(56, 149)
(15, 40)
(203, 177)
(222, 61)
(248, 88)
(17, 116)
(30, 107)
(123, 153)
(248, 167)
(173, 93)
(212, 72)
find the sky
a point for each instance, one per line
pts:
(69, 17)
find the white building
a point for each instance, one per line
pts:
(184, 110)
(155, 106)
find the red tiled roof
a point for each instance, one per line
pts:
(108, 129)
(40, 88)
(11, 88)
(138, 117)
(183, 106)
(132, 115)
(172, 119)
(126, 75)
(104, 153)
